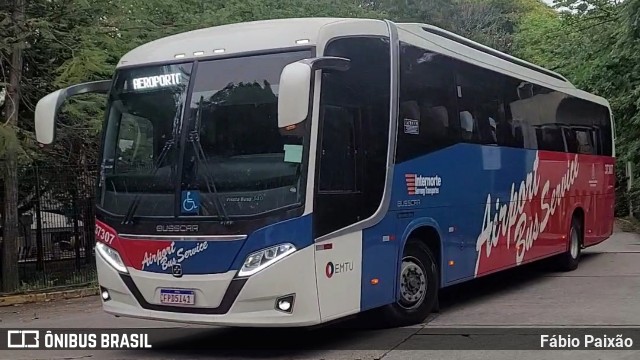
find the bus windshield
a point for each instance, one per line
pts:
(222, 157)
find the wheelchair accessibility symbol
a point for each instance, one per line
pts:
(190, 202)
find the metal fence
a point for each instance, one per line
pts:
(56, 227)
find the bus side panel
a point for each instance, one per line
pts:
(533, 221)
(461, 187)
(339, 273)
(495, 208)
(509, 206)
(381, 244)
(599, 221)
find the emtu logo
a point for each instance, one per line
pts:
(339, 268)
(329, 269)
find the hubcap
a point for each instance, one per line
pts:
(575, 244)
(413, 283)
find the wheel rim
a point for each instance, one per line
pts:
(413, 283)
(575, 244)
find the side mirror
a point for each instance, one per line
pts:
(48, 107)
(294, 94)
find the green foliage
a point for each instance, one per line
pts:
(8, 140)
(595, 43)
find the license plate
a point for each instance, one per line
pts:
(177, 297)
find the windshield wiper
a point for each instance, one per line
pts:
(163, 154)
(201, 158)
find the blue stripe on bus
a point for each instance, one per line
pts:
(296, 231)
(468, 173)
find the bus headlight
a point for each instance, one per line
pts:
(111, 256)
(259, 260)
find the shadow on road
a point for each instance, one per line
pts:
(359, 333)
(477, 291)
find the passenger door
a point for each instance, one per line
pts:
(339, 180)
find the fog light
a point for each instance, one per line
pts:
(285, 303)
(105, 294)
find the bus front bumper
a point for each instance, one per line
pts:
(220, 299)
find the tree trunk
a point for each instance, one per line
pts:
(10, 219)
(10, 226)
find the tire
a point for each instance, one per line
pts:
(419, 282)
(569, 261)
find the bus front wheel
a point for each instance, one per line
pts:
(418, 286)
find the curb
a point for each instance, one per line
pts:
(11, 300)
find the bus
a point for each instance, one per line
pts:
(293, 172)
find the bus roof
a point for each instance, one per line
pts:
(231, 39)
(447, 43)
(290, 33)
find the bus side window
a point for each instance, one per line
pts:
(353, 134)
(571, 140)
(427, 121)
(480, 104)
(584, 140)
(550, 138)
(338, 154)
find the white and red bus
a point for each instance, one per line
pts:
(291, 172)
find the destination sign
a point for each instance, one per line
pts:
(158, 81)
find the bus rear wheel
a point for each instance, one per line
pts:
(418, 286)
(569, 260)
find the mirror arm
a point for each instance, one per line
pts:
(100, 87)
(47, 108)
(328, 63)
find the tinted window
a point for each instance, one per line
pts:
(570, 139)
(550, 138)
(590, 120)
(486, 107)
(338, 154)
(480, 104)
(522, 112)
(135, 142)
(354, 133)
(585, 140)
(606, 134)
(427, 120)
(235, 155)
(141, 135)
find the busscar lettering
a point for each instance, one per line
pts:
(177, 228)
(510, 219)
(408, 203)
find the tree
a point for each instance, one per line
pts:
(10, 154)
(595, 44)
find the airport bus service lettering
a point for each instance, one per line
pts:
(512, 213)
(161, 257)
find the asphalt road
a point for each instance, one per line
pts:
(603, 291)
